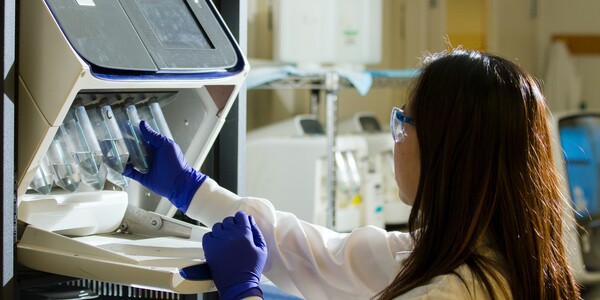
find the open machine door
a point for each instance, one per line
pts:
(90, 70)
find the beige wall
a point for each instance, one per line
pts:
(515, 29)
(467, 23)
(575, 17)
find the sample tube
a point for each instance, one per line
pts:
(84, 145)
(343, 174)
(353, 171)
(65, 169)
(129, 123)
(42, 180)
(348, 177)
(111, 142)
(152, 113)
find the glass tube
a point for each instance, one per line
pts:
(42, 180)
(353, 171)
(84, 146)
(343, 174)
(152, 113)
(111, 142)
(65, 169)
(129, 123)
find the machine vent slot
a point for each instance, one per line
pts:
(110, 289)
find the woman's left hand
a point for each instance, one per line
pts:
(236, 253)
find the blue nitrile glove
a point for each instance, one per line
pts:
(236, 253)
(169, 174)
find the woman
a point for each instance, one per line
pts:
(473, 158)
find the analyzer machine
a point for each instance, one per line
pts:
(577, 157)
(90, 70)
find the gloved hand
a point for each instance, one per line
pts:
(236, 253)
(169, 174)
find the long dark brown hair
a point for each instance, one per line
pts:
(487, 174)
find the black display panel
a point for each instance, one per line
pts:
(190, 37)
(369, 124)
(311, 126)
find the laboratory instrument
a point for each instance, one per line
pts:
(65, 168)
(84, 147)
(128, 120)
(287, 164)
(82, 63)
(43, 179)
(381, 163)
(112, 143)
(344, 33)
(576, 153)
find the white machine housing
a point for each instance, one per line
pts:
(338, 32)
(287, 164)
(381, 161)
(114, 236)
(581, 232)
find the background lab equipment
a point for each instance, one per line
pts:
(286, 163)
(578, 160)
(89, 71)
(347, 32)
(381, 163)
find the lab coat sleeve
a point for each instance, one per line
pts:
(309, 260)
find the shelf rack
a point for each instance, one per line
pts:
(331, 82)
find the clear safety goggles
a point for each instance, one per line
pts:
(397, 121)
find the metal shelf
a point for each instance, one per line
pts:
(317, 82)
(330, 82)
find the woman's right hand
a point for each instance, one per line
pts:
(169, 174)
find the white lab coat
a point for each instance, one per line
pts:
(314, 262)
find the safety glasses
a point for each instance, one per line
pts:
(397, 121)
